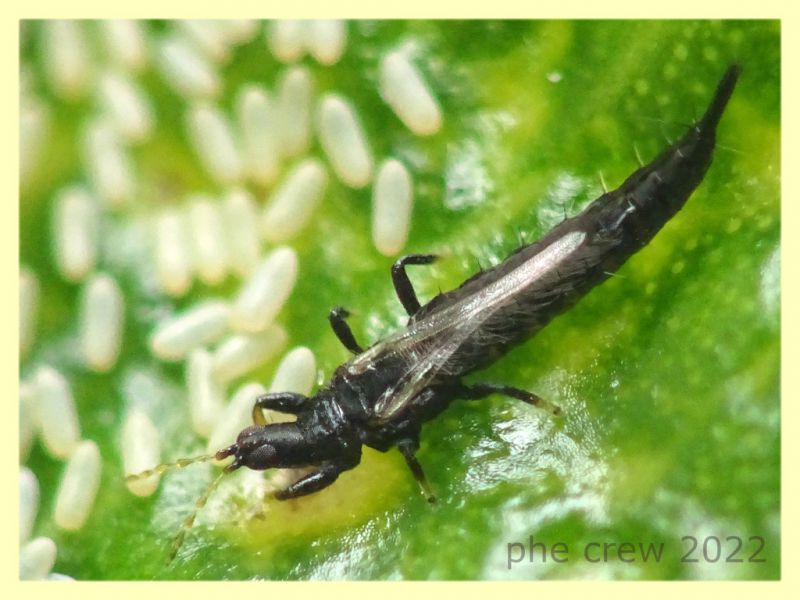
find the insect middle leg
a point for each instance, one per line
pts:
(285, 402)
(402, 285)
(482, 390)
(342, 330)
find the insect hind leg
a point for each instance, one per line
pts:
(342, 330)
(482, 390)
(408, 448)
(402, 285)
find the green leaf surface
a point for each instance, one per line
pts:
(668, 373)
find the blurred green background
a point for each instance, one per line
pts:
(668, 373)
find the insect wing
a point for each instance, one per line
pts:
(423, 367)
(428, 344)
(409, 342)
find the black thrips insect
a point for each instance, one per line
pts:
(382, 396)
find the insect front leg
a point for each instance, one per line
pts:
(408, 448)
(402, 285)
(342, 330)
(285, 402)
(482, 390)
(318, 479)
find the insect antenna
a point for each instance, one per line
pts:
(159, 469)
(189, 521)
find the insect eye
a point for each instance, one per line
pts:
(261, 457)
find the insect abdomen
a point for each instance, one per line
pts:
(614, 227)
(652, 195)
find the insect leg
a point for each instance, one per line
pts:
(318, 479)
(402, 285)
(285, 402)
(481, 390)
(408, 449)
(342, 330)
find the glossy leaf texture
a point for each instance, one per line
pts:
(668, 373)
